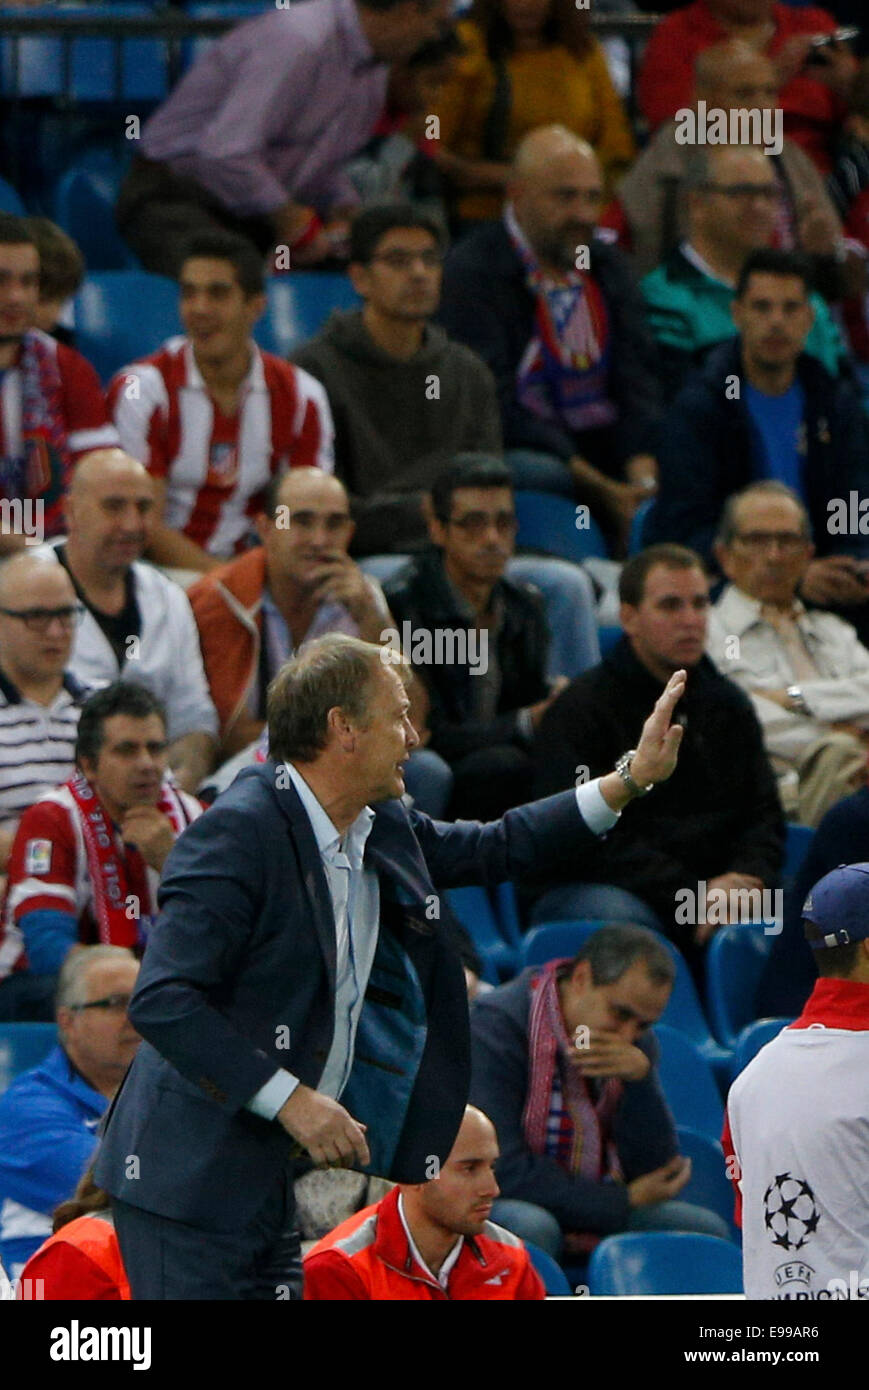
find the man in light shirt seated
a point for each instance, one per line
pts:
(806, 670)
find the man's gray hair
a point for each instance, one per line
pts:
(614, 949)
(335, 671)
(73, 975)
(768, 487)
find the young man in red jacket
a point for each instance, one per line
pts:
(429, 1241)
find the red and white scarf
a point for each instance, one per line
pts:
(115, 877)
(593, 1155)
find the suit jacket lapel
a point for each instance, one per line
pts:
(310, 867)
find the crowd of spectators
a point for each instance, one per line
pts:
(669, 336)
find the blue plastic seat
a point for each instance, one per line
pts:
(689, 1083)
(710, 1186)
(550, 1272)
(547, 522)
(753, 1038)
(735, 961)
(298, 305)
(22, 1046)
(550, 940)
(664, 1262)
(474, 910)
(608, 636)
(92, 74)
(507, 910)
(797, 841)
(122, 315)
(84, 203)
(10, 200)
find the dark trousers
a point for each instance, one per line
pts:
(157, 213)
(490, 781)
(171, 1261)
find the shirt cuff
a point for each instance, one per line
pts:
(598, 816)
(270, 1097)
(525, 725)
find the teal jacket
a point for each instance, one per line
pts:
(689, 313)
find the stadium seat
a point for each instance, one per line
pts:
(683, 1012)
(550, 1272)
(84, 203)
(9, 200)
(298, 305)
(38, 69)
(548, 523)
(635, 538)
(664, 1262)
(735, 960)
(122, 315)
(797, 841)
(474, 910)
(753, 1038)
(710, 1186)
(507, 909)
(689, 1083)
(607, 637)
(22, 1046)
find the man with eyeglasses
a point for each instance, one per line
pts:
(405, 398)
(733, 209)
(762, 407)
(87, 857)
(40, 700)
(477, 638)
(806, 671)
(49, 1115)
(213, 418)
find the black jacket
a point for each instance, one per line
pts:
(643, 1129)
(710, 448)
(486, 303)
(421, 595)
(719, 812)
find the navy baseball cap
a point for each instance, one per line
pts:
(839, 906)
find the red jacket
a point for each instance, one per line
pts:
(368, 1257)
(81, 1261)
(666, 83)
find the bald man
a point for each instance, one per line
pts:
(557, 316)
(649, 214)
(256, 611)
(429, 1241)
(137, 624)
(40, 699)
(733, 208)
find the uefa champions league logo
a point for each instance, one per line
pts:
(789, 1212)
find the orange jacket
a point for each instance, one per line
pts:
(81, 1261)
(227, 606)
(368, 1257)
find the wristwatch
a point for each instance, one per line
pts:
(797, 699)
(623, 768)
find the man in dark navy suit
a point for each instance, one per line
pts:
(298, 992)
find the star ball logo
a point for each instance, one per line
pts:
(790, 1214)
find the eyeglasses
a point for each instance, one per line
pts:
(403, 260)
(475, 523)
(787, 541)
(40, 619)
(769, 192)
(114, 1003)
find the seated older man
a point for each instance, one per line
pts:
(806, 671)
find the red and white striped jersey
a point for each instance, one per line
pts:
(216, 466)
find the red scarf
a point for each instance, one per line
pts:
(594, 1155)
(116, 877)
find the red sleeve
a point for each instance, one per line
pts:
(84, 407)
(330, 1277)
(666, 81)
(43, 856)
(531, 1287)
(68, 1273)
(731, 1160)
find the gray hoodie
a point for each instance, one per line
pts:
(398, 423)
